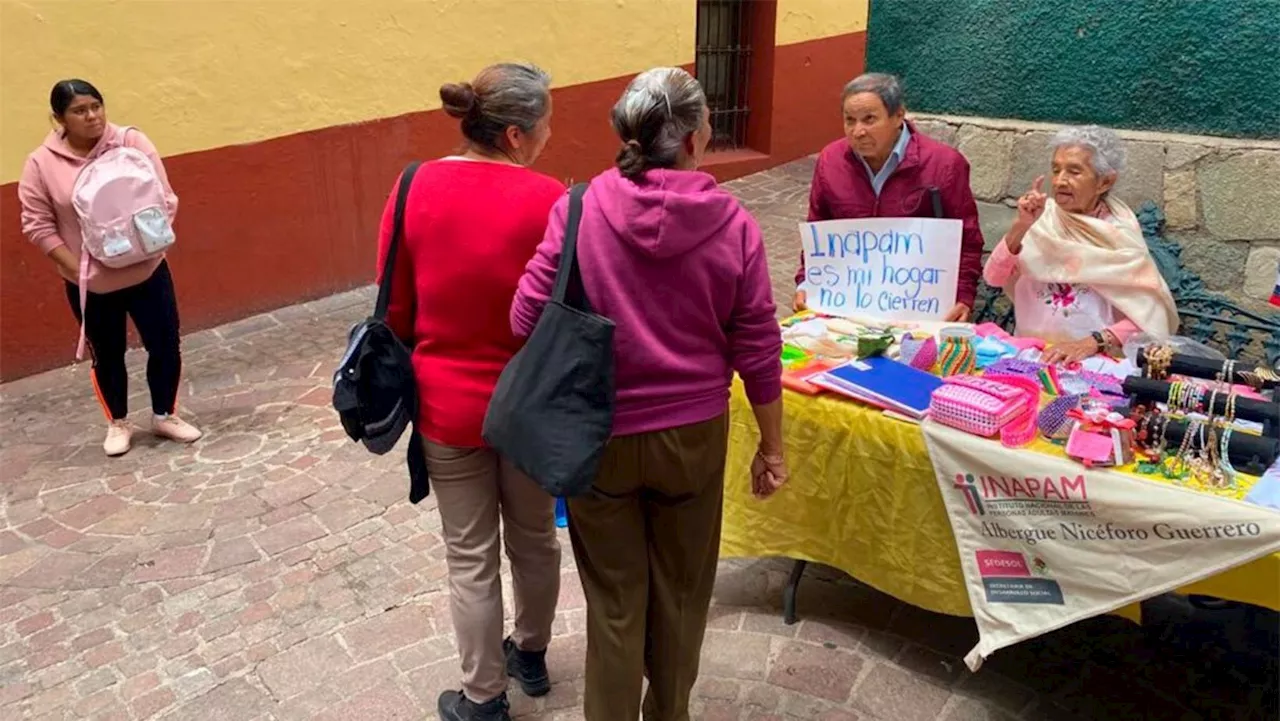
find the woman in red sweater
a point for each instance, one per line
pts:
(472, 221)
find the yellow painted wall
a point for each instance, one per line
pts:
(802, 20)
(200, 74)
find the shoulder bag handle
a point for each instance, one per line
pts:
(569, 289)
(935, 200)
(397, 237)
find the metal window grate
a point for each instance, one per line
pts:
(722, 62)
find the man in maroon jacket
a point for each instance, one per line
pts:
(885, 168)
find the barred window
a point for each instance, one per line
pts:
(723, 65)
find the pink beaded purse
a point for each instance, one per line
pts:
(1004, 405)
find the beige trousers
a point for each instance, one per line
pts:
(646, 539)
(474, 488)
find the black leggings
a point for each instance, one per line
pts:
(154, 309)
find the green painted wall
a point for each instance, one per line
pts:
(1195, 66)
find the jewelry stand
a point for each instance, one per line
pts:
(1147, 391)
(1205, 368)
(1248, 454)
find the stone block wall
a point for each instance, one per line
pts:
(1221, 196)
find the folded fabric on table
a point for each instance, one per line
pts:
(991, 330)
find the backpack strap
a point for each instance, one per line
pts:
(397, 238)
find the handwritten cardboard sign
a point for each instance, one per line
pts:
(891, 268)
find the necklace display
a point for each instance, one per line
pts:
(1203, 455)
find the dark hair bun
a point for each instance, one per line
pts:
(459, 99)
(631, 160)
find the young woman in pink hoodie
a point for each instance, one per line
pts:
(680, 267)
(143, 291)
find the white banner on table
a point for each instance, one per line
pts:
(890, 268)
(1045, 542)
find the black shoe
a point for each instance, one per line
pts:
(527, 667)
(454, 706)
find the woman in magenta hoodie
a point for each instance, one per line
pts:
(143, 291)
(680, 267)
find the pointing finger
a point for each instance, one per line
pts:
(1038, 185)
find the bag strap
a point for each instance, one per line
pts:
(397, 238)
(935, 200)
(569, 289)
(1021, 430)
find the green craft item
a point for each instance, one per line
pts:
(792, 354)
(870, 346)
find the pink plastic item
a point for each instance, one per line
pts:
(1090, 447)
(1004, 405)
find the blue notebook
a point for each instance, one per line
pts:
(886, 382)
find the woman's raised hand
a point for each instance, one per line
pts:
(1031, 204)
(1030, 207)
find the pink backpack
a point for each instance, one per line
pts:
(120, 201)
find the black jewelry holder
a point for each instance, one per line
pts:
(1150, 392)
(1247, 453)
(1206, 368)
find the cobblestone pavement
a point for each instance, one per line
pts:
(274, 571)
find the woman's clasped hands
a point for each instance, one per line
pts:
(768, 473)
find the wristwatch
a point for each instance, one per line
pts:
(1100, 339)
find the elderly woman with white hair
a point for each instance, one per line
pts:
(680, 267)
(1075, 263)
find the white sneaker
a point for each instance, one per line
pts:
(174, 428)
(119, 438)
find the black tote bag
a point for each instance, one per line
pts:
(551, 414)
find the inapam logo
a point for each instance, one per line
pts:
(1030, 496)
(966, 483)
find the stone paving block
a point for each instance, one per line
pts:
(428, 682)
(994, 690)
(816, 671)
(387, 701)
(716, 689)
(235, 700)
(831, 633)
(172, 563)
(735, 655)
(893, 693)
(150, 704)
(387, 632)
(303, 667)
(566, 657)
(292, 490)
(90, 512)
(340, 515)
(248, 326)
(945, 670)
(963, 709)
(229, 553)
(289, 534)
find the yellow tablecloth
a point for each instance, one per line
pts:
(863, 498)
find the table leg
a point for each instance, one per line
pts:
(789, 593)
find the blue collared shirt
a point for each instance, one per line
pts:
(895, 157)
